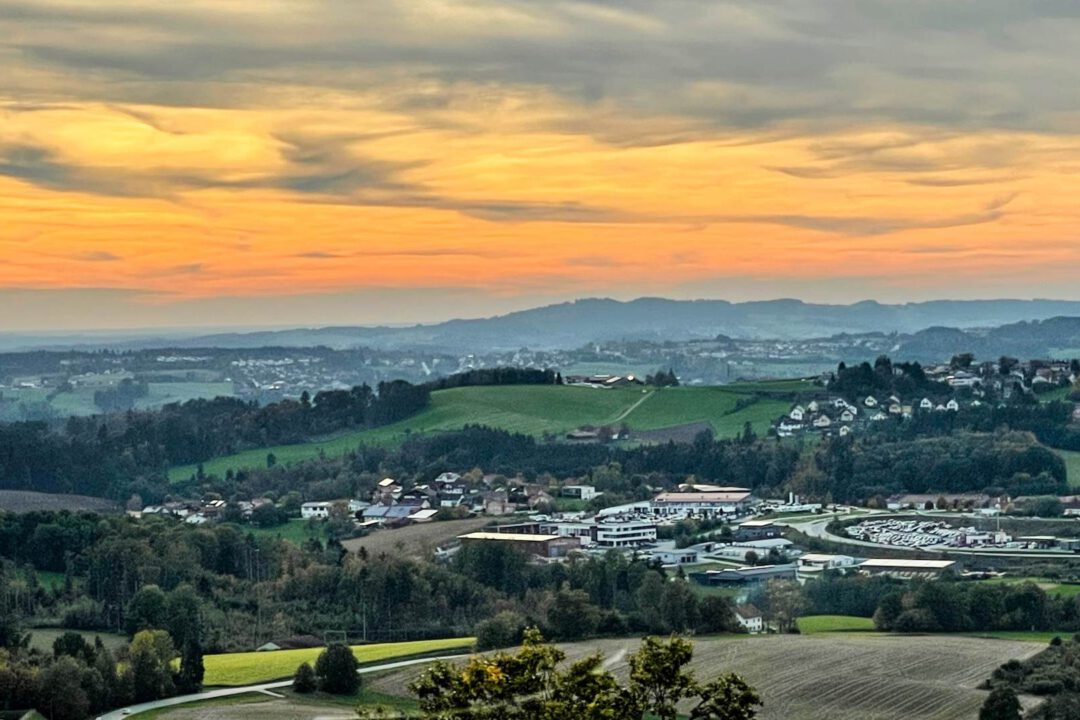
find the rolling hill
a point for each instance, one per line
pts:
(545, 409)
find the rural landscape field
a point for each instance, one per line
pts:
(258, 667)
(835, 676)
(536, 410)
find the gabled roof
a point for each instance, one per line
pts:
(748, 612)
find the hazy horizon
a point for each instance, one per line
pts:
(305, 320)
(292, 162)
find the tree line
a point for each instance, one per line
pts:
(115, 454)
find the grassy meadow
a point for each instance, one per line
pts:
(232, 669)
(1072, 466)
(814, 624)
(538, 410)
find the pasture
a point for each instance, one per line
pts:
(833, 676)
(43, 638)
(536, 410)
(296, 530)
(814, 624)
(232, 669)
(1072, 467)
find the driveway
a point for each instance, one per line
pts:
(263, 688)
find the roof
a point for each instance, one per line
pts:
(757, 523)
(508, 537)
(425, 514)
(718, 497)
(908, 564)
(748, 612)
(818, 557)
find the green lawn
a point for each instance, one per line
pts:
(533, 410)
(296, 531)
(1054, 395)
(812, 624)
(254, 667)
(760, 416)
(1072, 466)
(776, 387)
(43, 638)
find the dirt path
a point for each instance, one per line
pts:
(626, 413)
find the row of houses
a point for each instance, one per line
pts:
(837, 415)
(199, 512)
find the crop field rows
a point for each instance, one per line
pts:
(836, 676)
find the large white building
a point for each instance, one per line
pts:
(623, 533)
(730, 501)
(605, 532)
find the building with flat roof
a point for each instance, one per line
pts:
(757, 530)
(745, 576)
(544, 546)
(813, 564)
(907, 568)
(702, 504)
(580, 492)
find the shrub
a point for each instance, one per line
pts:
(503, 630)
(304, 681)
(336, 669)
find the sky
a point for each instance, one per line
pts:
(272, 162)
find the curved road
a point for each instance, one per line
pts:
(818, 528)
(266, 688)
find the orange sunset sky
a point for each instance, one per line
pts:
(243, 162)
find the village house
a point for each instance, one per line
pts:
(750, 618)
(318, 510)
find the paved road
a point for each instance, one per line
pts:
(818, 529)
(266, 688)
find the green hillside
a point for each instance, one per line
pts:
(536, 410)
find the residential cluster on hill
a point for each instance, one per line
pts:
(837, 416)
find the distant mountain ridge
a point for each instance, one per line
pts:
(573, 324)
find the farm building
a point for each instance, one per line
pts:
(907, 568)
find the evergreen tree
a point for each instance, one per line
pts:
(304, 681)
(335, 670)
(1001, 704)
